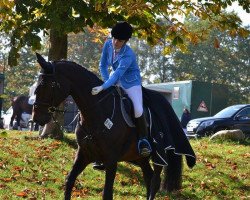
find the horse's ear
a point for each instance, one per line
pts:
(43, 63)
(40, 59)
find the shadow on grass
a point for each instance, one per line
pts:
(70, 141)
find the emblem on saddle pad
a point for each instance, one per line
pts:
(108, 123)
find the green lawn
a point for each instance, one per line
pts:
(36, 169)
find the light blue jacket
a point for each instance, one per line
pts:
(125, 67)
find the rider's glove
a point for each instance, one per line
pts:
(96, 90)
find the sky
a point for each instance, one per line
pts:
(244, 16)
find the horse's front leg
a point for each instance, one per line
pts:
(11, 122)
(147, 172)
(79, 165)
(109, 181)
(155, 182)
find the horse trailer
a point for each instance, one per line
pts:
(202, 99)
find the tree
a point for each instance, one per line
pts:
(85, 47)
(25, 19)
(17, 79)
(221, 59)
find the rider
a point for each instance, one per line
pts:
(121, 57)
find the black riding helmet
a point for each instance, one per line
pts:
(122, 31)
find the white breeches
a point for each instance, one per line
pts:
(135, 94)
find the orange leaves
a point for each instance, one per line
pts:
(233, 165)
(22, 194)
(17, 168)
(2, 186)
(80, 193)
(6, 180)
(209, 165)
(98, 34)
(44, 151)
(246, 155)
(193, 38)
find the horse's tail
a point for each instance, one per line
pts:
(172, 173)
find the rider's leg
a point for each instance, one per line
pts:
(135, 94)
(144, 147)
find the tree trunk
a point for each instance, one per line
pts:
(57, 51)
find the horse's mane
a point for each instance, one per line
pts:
(77, 69)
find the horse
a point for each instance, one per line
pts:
(102, 133)
(20, 105)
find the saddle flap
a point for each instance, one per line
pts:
(127, 109)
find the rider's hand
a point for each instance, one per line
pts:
(96, 90)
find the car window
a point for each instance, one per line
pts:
(228, 112)
(245, 113)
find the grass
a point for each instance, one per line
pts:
(36, 169)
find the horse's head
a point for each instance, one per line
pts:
(50, 92)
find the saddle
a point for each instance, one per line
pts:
(127, 108)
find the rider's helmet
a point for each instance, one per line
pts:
(122, 31)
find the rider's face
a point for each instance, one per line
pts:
(117, 44)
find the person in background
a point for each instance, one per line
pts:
(185, 118)
(126, 74)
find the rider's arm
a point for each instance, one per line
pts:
(104, 64)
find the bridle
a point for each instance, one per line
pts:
(51, 105)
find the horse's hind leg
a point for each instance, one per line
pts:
(18, 119)
(109, 181)
(11, 121)
(155, 182)
(79, 165)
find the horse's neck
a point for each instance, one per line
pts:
(81, 87)
(87, 109)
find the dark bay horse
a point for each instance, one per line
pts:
(20, 105)
(97, 138)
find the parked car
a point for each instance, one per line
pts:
(232, 117)
(24, 123)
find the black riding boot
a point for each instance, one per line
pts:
(144, 147)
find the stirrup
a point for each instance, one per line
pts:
(146, 149)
